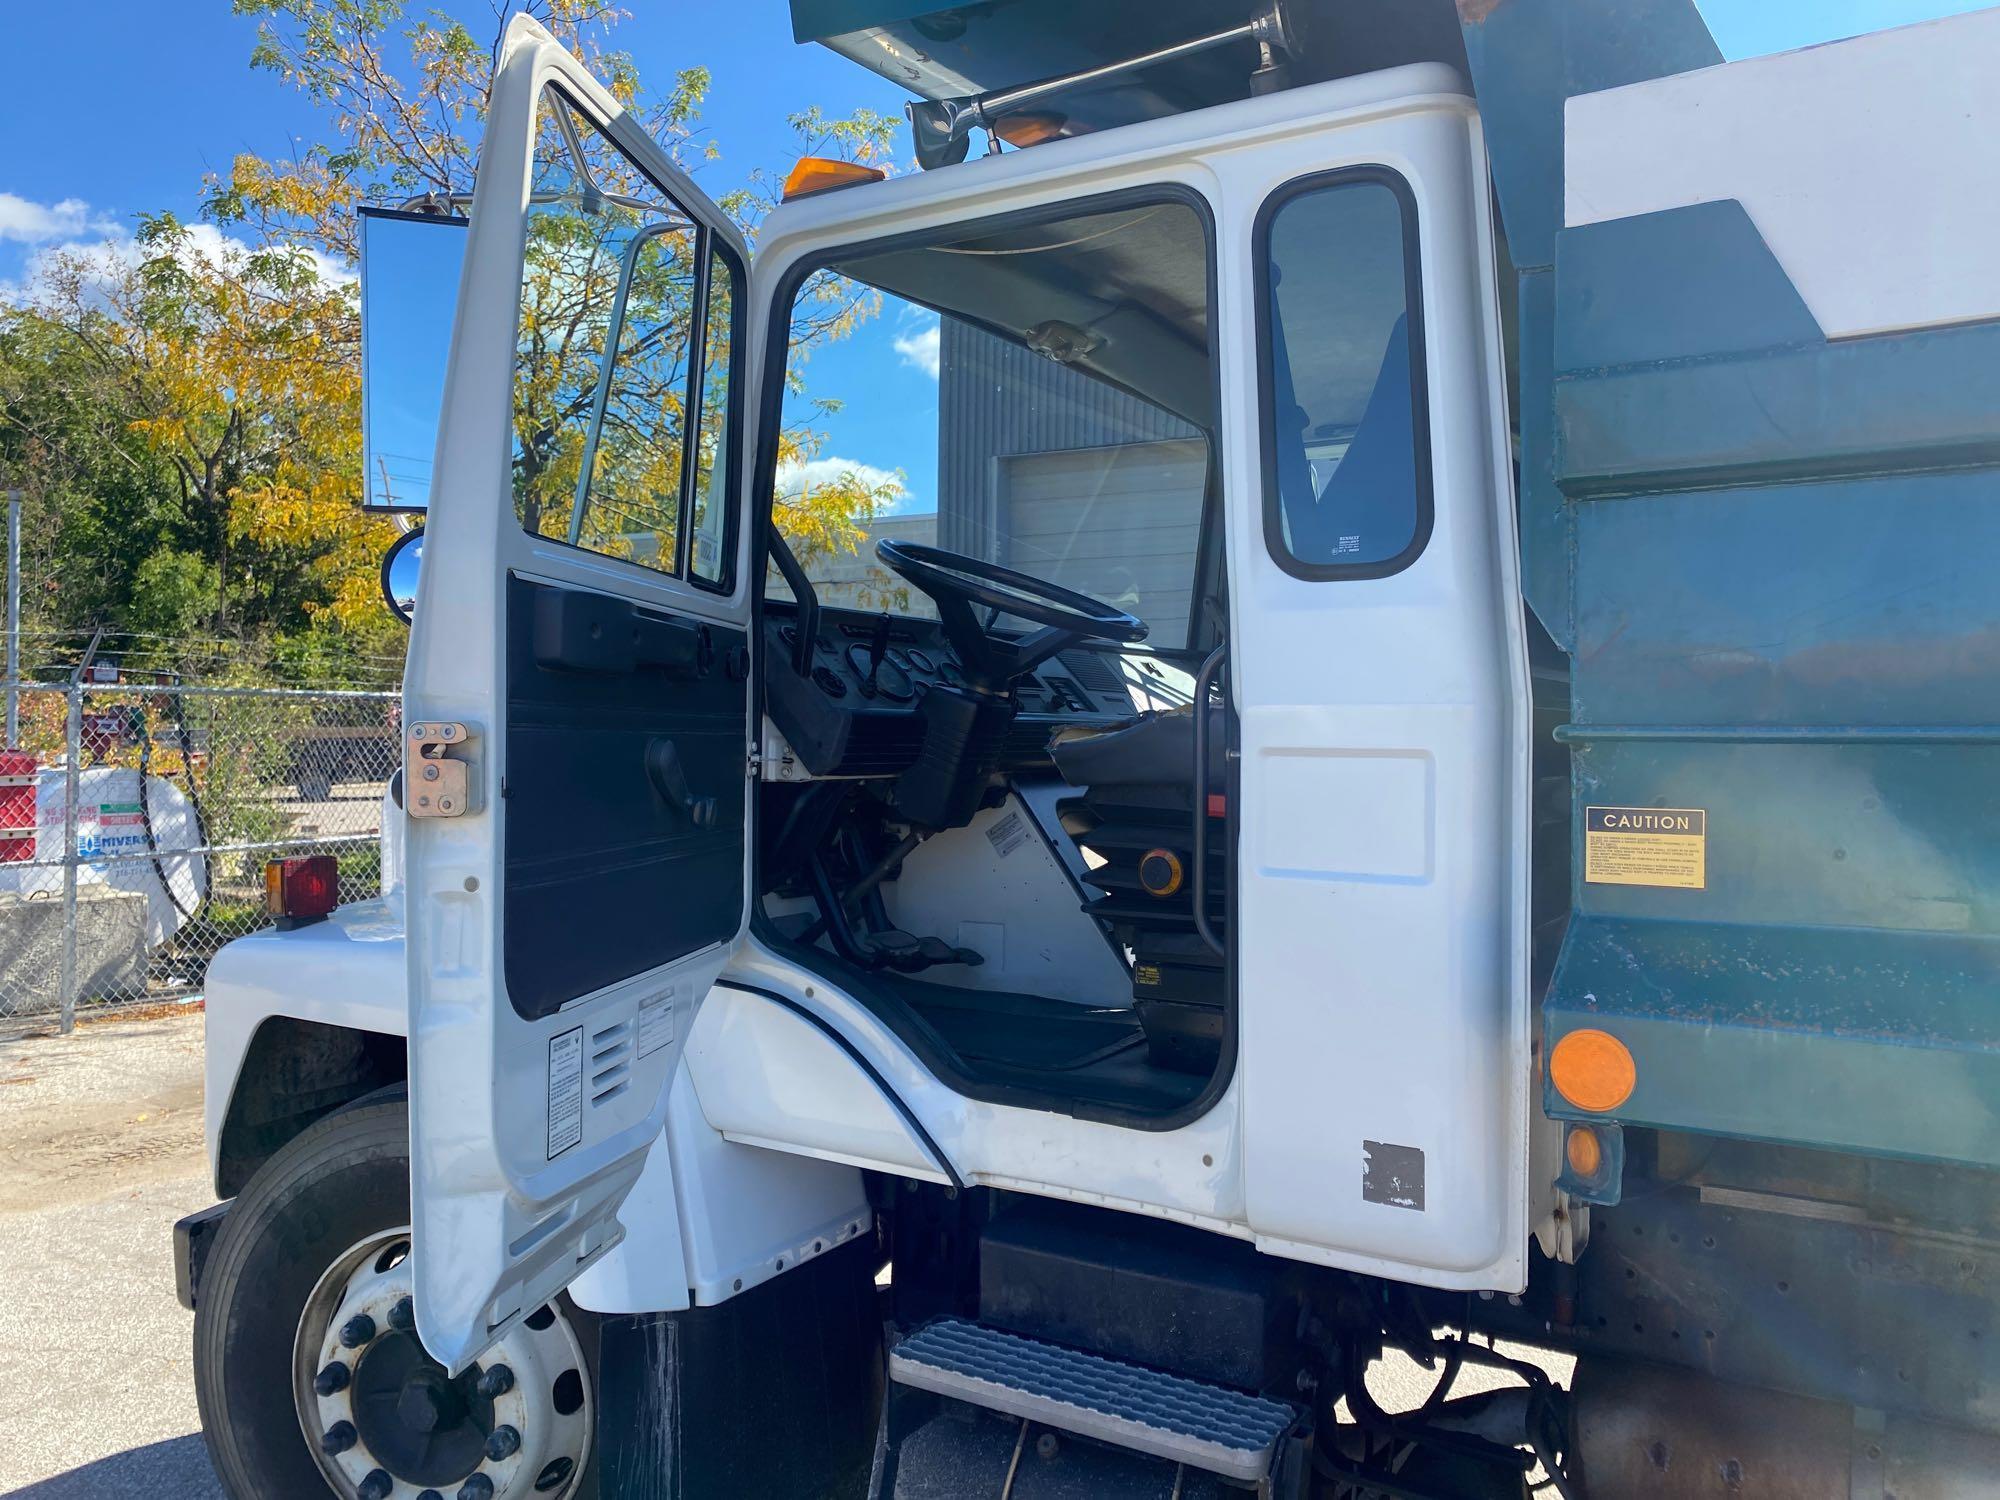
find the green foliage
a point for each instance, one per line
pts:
(172, 593)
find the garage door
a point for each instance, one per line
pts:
(1121, 523)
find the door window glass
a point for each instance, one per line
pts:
(1347, 458)
(711, 502)
(607, 371)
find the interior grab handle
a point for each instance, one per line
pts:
(663, 769)
(1204, 684)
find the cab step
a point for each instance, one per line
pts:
(1206, 1427)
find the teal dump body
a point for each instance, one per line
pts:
(1771, 562)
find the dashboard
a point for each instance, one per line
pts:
(855, 712)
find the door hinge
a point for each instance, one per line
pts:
(438, 766)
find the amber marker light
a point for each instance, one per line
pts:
(1593, 1070)
(1584, 1151)
(1030, 127)
(823, 174)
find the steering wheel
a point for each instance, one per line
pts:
(956, 582)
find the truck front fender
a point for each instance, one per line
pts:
(300, 1023)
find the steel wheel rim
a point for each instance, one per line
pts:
(548, 1405)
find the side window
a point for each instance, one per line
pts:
(616, 364)
(1346, 444)
(708, 555)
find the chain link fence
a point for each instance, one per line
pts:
(137, 816)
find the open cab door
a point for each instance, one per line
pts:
(576, 703)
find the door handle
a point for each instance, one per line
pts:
(663, 769)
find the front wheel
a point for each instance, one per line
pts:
(308, 1371)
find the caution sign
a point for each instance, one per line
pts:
(1663, 846)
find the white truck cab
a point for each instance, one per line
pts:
(991, 741)
(603, 877)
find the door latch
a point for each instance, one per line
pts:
(437, 770)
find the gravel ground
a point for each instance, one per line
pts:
(100, 1151)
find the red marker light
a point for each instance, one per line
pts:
(302, 890)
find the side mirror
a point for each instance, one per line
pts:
(410, 265)
(402, 572)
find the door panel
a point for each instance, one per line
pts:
(1378, 665)
(613, 867)
(569, 917)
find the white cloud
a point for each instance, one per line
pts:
(114, 251)
(919, 346)
(31, 223)
(795, 479)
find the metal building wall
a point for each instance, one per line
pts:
(996, 400)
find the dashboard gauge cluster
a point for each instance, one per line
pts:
(891, 677)
(855, 711)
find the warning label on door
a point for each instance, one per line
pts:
(656, 1021)
(1662, 846)
(565, 1091)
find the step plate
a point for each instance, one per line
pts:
(1204, 1426)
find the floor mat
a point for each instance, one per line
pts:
(1021, 1031)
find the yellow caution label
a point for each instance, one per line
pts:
(1663, 846)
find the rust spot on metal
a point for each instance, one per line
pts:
(1472, 12)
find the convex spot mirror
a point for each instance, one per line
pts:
(410, 265)
(402, 570)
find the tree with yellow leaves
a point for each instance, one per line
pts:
(235, 366)
(405, 136)
(226, 352)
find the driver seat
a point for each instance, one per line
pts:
(1134, 824)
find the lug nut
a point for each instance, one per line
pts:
(494, 1382)
(504, 1443)
(337, 1439)
(429, 1495)
(403, 1316)
(332, 1380)
(356, 1331)
(379, 1485)
(478, 1487)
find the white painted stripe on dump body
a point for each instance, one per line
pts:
(1868, 166)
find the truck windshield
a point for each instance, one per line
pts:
(1035, 392)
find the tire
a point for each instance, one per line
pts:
(340, 1183)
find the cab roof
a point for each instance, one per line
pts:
(946, 50)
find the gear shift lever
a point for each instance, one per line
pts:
(878, 647)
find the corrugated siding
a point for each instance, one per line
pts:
(995, 401)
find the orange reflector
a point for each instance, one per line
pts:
(823, 174)
(1584, 1150)
(1030, 128)
(1160, 872)
(1593, 1070)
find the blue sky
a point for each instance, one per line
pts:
(162, 104)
